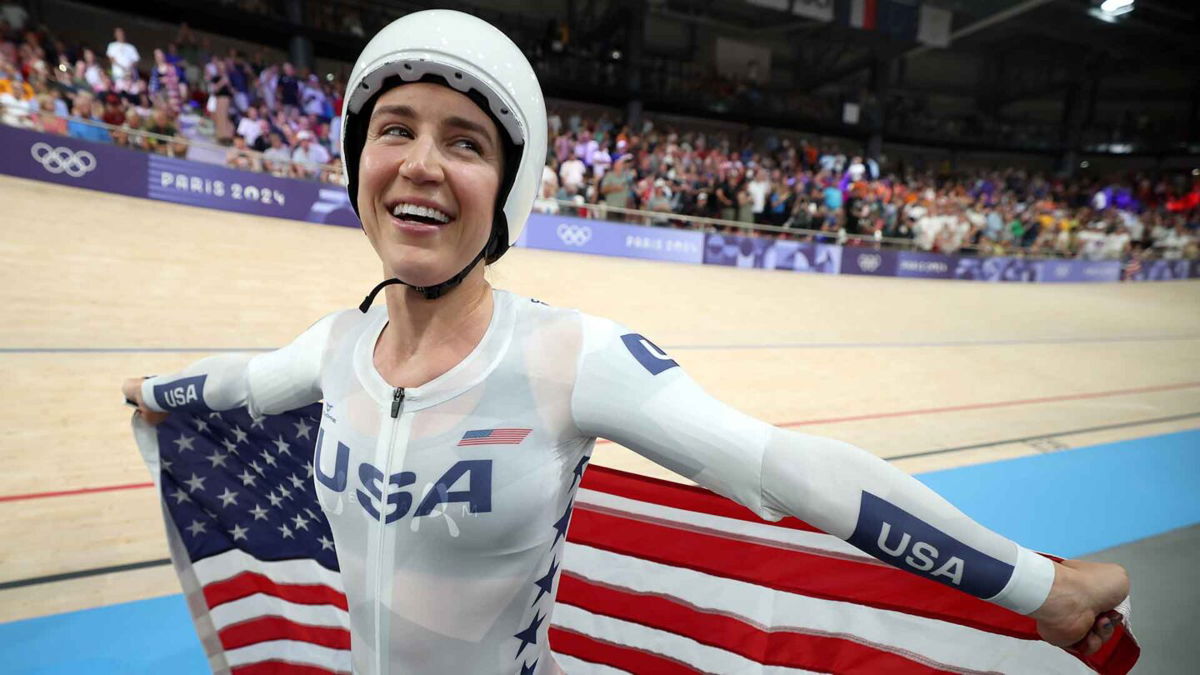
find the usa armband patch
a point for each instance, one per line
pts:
(901, 539)
(647, 353)
(186, 393)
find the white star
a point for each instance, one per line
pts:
(300, 521)
(184, 443)
(201, 425)
(180, 496)
(310, 513)
(217, 459)
(259, 512)
(238, 532)
(275, 499)
(285, 492)
(258, 469)
(297, 482)
(285, 531)
(166, 464)
(281, 446)
(214, 415)
(256, 422)
(227, 497)
(247, 478)
(267, 458)
(302, 429)
(230, 446)
(326, 544)
(241, 435)
(196, 528)
(196, 483)
(309, 466)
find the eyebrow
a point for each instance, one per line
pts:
(452, 121)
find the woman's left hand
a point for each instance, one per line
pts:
(1078, 614)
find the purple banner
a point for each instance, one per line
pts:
(875, 262)
(1159, 270)
(599, 237)
(1052, 271)
(69, 161)
(925, 265)
(995, 269)
(767, 253)
(218, 187)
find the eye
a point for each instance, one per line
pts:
(468, 144)
(396, 130)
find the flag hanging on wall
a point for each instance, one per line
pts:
(657, 577)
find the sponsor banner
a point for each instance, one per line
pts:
(925, 265)
(1051, 271)
(69, 161)
(581, 235)
(876, 262)
(778, 254)
(217, 187)
(1162, 270)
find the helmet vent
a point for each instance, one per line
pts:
(458, 76)
(408, 66)
(504, 111)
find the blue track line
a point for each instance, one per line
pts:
(699, 347)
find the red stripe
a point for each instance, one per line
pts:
(280, 668)
(866, 583)
(869, 14)
(266, 628)
(80, 491)
(570, 643)
(249, 583)
(676, 495)
(795, 649)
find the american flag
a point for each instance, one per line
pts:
(494, 437)
(657, 577)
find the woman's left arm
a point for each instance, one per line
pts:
(628, 390)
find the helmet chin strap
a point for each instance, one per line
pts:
(427, 292)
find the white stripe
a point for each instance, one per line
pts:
(702, 657)
(573, 666)
(232, 563)
(943, 642)
(260, 604)
(762, 532)
(291, 651)
(858, 10)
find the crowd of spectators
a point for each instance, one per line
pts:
(273, 117)
(598, 167)
(262, 116)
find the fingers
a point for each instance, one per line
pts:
(1102, 629)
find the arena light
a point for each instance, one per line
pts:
(1110, 11)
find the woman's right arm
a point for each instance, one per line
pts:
(269, 383)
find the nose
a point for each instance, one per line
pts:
(422, 163)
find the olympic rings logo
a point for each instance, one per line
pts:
(869, 262)
(59, 159)
(574, 235)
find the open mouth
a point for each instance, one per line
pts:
(425, 215)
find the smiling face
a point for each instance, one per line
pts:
(429, 175)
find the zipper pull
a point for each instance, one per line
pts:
(397, 399)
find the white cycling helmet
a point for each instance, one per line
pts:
(473, 57)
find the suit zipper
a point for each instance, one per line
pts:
(380, 639)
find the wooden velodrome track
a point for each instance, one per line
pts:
(95, 288)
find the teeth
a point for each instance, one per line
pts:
(422, 211)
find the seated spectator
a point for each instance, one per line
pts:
(82, 124)
(47, 120)
(241, 157)
(114, 111)
(161, 124)
(248, 127)
(277, 159)
(129, 135)
(309, 155)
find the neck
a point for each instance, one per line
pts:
(440, 332)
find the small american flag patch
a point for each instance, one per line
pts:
(494, 437)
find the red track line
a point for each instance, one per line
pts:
(830, 420)
(80, 491)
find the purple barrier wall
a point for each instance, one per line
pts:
(776, 254)
(581, 235)
(67, 161)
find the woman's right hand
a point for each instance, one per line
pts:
(132, 388)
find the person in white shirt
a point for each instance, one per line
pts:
(441, 183)
(856, 169)
(250, 127)
(572, 172)
(123, 55)
(759, 187)
(309, 156)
